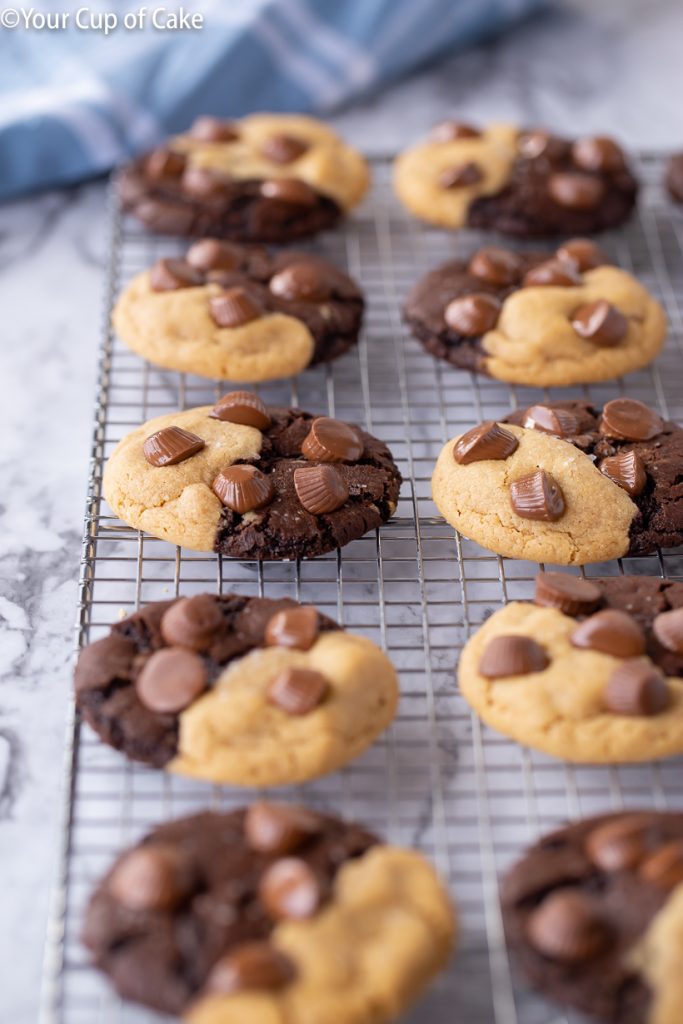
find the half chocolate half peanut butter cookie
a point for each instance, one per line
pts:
(235, 689)
(251, 481)
(264, 178)
(518, 182)
(271, 914)
(234, 312)
(544, 320)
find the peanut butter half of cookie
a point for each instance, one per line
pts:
(528, 183)
(235, 312)
(251, 481)
(543, 320)
(271, 914)
(566, 483)
(593, 915)
(243, 690)
(263, 178)
(590, 671)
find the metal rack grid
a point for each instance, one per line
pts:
(438, 780)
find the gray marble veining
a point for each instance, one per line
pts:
(613, 66)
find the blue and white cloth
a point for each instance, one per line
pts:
(75, 102)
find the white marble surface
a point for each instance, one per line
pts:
(612, 66)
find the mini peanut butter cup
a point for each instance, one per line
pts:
(242, 407)
(487, 441)
(170, 446)
(512, 656)
(243, 488)
(612, 632)
(320, 489)
(571, 595)
(537, 496)
(626, 469)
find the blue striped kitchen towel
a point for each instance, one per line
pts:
(85, 88)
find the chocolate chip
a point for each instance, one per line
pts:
(233, 308)
(636, 688)
(567, 927)
(104, 661)
(472, 315)
(289, 190)
(600, 322)
(559, 422)
(202, 183)
(626, 469)
(461, 175)
(552, 273)
(612, 632)
(278, 828)
(569, 594)
(533, 145)
(512, 656)
(304, 281)
(192, 622)
(171, 445)
(164, 163)
(293, 627)
(486, 441)
(331, 440)
(242, 407)
(152, 877)
(498, 267)
(620, 844)
(668, 628)
(289, 890)
(251, 966)
(212, 254)
(243, 488)
(171, 679)
(627, 419)
(449, 131)
(537, 496)
(576, 191)
(298, 691)
(583, 253)
(283, 149)
(213, 129)
(320, 489)
(664, 868)
(168, 275)
(598, 154)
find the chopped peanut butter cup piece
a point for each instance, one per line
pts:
(559, 422)
(234, 308)
(293, 627)
(298, 691)
(169, 275)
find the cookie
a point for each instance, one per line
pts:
(264, 178)
(544, 320)
(593, 915)
(234, 312)
(674, 177)
(255, 483)
(269, 914)
(591, 671)
(245, 690)
(525, 183)
(538, 485)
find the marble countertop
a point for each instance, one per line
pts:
(613, 67)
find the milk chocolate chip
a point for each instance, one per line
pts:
(472, 315)
(576, 191)
(559, 422)
(498, 267)
(234, 308)
(567, 927)
(627, 419)
(242, 407)
(569, 594)
(192, 622)
(283, 149)
(486, 441)
(290, 890)
(626, 469)
(537, 496)
(278, 828)
(600, 322)
(171, 679)
(612, 632)
(169, 275)
(552, 273)
(303, 281)
(171, 445)
(331, 440)
(461, 175)
(298, 691)
(251, 966)
(289, 190)
(512, 656)
(293, 627)
(320, 489)
(636, 688)
(243, 488)
(668, 628)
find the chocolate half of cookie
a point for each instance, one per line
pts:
(579, 902)
(557, 186)
(636, 449)
(256, 282)
(132, 685)
(191, 909)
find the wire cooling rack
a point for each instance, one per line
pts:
(438, 780)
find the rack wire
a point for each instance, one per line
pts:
(438, 780)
